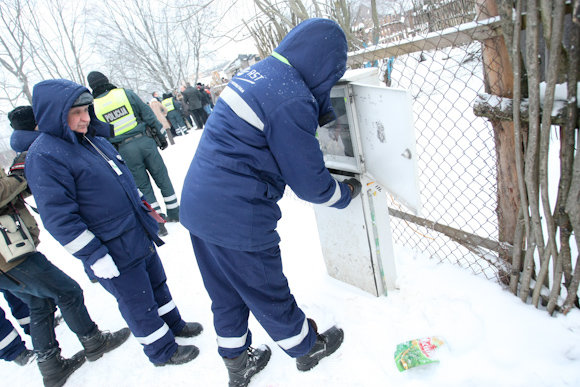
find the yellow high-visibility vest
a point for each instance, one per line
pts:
(116, 109)
(168, 103)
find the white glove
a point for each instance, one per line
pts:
(105, 268)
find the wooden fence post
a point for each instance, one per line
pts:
(498, 76)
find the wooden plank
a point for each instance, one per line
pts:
(450, 37)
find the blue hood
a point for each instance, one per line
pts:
(51, 102)
(20, 140)
(317, 49)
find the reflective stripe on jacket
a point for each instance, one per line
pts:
(168, 103)
(115, 108)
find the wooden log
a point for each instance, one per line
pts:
(463, 237)
(501, 108)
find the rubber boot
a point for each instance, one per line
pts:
(56, 370)
(242, 368)
(326, 344)
(183, 354)
(102, 342)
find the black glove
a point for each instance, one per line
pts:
(162, 142)
(354, 186)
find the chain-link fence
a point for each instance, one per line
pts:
(436, 53)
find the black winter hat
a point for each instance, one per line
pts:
(167, 95)
(22, 118)
(97, 79)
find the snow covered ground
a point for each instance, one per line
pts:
(492, 338)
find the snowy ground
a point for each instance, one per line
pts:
(492, 338)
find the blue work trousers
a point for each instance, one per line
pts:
(19, 310)
(147, 306)
(242, 281)
(11, 345)
(42, 286)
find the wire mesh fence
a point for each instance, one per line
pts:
(436, 53)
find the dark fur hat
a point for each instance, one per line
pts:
(22, 118)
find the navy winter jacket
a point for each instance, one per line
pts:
(261, 136)
(20, 140)
(83, 202)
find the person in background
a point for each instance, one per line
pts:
(184, 110)
(192, 98)
(261, 137)
(43, 286)
(91, 205)
(174, 114)
(205, 100)
(161, 115)
(130, 117)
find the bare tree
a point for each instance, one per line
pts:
(59, 39)
(35, 48)
(13, 54)
(158, 45)
(278, 18)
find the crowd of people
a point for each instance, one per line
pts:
(86, 157)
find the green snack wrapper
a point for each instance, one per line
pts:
(417, 352)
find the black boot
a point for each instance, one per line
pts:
(326, 344)
(162, 230)
(102, 342)
(190, 329)
(183, 354)
(173, 217)
(24, 357)
(242, 368)
(56, 370)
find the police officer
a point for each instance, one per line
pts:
(130, 117)
(173, 114)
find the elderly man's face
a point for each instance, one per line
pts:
(79, 119)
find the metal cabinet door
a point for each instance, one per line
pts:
(384, 118)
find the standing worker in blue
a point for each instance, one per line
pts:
(131, 116)
(260, 138)
(40, 284)
(91, 205)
